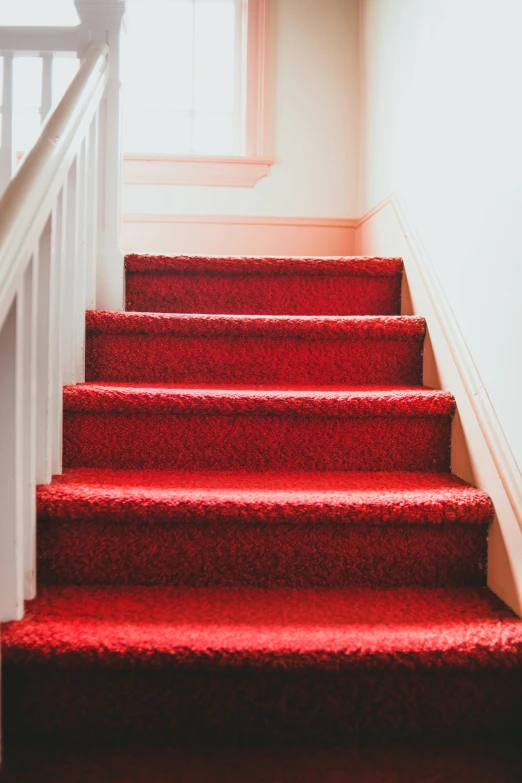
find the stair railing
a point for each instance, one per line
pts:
(59, 255)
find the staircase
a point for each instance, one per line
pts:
(257, 534)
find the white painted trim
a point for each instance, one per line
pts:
(257, 78)
(29, 40)
(7, 119)
(101, 22)
(44, 221)
(242, 220)
(223, 171)
(238, 235)
(27, 198)
(481, 450)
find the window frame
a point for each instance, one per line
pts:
(224, 170)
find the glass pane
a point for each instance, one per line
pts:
(27, 81)
(214, 55)
(178, 57)
(1, 79)
(213, 134)
(157, 54)
(156, 131)
(26, 127)
(64, 70)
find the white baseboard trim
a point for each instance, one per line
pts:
(481, 452)
(238, 234)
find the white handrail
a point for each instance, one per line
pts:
(59, 255)
(100, 21)
(50, 243)
(49, 39)
(24, 205)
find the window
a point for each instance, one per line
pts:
(194, 91)
(194, 75)
(180, 74)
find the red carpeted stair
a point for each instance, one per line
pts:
(256, 534)
(264, 286)
(254, 349)
(200, 528)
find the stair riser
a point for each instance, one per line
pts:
(194, 554)
(142, 440)
(242, 703)
(263, 294)
(262, 360)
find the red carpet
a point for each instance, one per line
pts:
(266, 286)
(257, 536)
(261, 529)
(152, 348)
(108, 426)
(273, 663)
(376, 762)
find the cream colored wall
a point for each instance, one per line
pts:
(442, 125)
(315, 125)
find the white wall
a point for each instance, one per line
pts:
(442, 124)
(315, 119)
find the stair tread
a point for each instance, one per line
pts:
(269, 400)
(368, 327)
(216, 627)
(396, 497)
(367, 266)
(193, 348)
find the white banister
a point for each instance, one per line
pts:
(30, 298)
(101, 21)
(43, 357)
(80, 269)
(11, 488)
(49, 246)
(38, 39)
(47, 85)
(69, 280)
(92, 185)
(7, 153)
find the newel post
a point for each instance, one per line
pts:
(101, 20)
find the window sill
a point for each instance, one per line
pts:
(230, 172)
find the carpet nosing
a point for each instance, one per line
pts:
(257, 403)
(310, 328)
(365, 267)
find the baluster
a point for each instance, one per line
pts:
(57, 256)
(63, 295)
(69, 281)
(29, 424)
(11, 460)
(43, 382)
(80, 275)
(47, 85)
(7, 162)
(92, 211)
